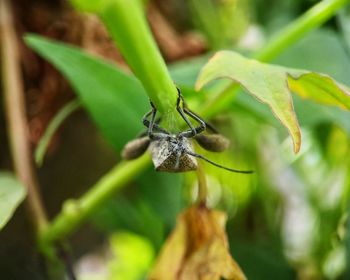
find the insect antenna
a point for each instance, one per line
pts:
(218, 165)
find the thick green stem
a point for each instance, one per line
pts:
(74, 213)
(128, 27)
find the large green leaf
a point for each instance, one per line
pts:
(115, 100)
(273, 85)
(309, 53)
(12, 194)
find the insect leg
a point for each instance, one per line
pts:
(152, 125)
(197, 118)
(192, 133)
(182, 113)
(202, 124)
(218, 165)
(156, 126)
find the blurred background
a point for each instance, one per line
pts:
(289, 221)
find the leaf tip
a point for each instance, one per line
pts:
(29, 38)
(198, 84)
(296, 137)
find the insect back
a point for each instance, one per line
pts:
(169, 155)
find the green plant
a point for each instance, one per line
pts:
(119, 92)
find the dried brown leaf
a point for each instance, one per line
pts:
(197, 249)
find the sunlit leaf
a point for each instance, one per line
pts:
(325, 43)
(335, 262)
(132, 256)
(197, 249)
(12, 194)
(273, 85)
(115, 100)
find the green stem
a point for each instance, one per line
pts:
(311, 19)
(75, 213)
(52, 128)
(128, 27)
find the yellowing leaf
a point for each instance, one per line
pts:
(197, 249)
(273, 85)
(12, 194)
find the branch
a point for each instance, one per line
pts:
(128, 27)
(16, 116)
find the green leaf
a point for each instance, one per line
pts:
(54, 124)
(12, 194)
(132, 256)
(273, 85)
(115, 100)
(135, 215)
(167, 201)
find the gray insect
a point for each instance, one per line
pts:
(174, 152)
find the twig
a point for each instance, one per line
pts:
(16, 116)
(202, 186)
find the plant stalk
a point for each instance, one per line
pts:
(75, 212)
(311, 19)
(16, 117)
(202, 185)
(69, 220)
(128, 27)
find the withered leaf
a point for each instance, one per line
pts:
(197, 249)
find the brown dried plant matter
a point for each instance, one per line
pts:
(197, 249)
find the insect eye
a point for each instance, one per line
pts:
(213, 142)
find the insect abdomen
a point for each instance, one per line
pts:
(213, 142)
(135, 148)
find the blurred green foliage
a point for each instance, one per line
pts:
(290, 220)
(89, 77)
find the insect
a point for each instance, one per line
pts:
(174, 152)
